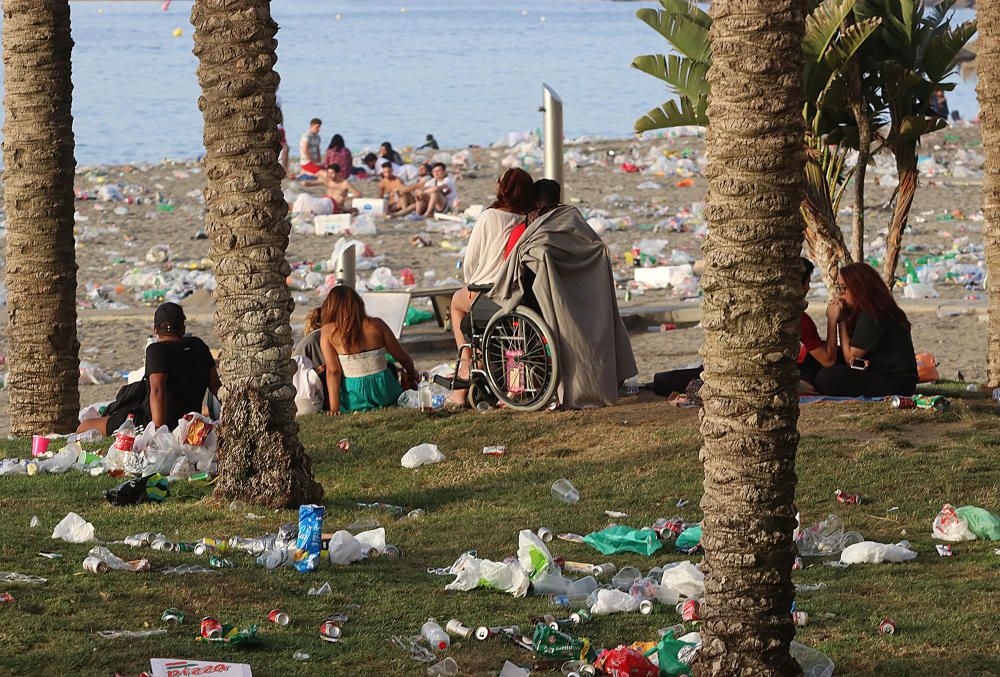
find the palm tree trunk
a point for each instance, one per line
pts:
(260, 456)
(906, 168)
(43, 359)
(753, 301)
(988, 18)
(857, 105)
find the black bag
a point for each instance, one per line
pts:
(132, 399)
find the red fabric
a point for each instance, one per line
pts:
(512, 239)
(810, 337)
(310, 168)
(337, 208)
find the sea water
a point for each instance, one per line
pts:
(467, 71)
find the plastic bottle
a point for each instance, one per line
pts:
(435, 635)
(425, 398)
(125, 435)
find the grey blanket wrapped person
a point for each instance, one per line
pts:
(566, 267)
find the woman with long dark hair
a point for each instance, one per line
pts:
(875, 339)
(338, 154)
(484, 255)
(354, 346)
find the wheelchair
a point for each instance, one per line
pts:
(514, 359)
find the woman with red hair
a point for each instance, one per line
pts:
(874, 339)
(484, 256)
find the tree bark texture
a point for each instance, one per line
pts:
(44, 354)
(988, 19)
(856, 102)
(260, 456)
(753, 301)
(823, 236)
(906, 168)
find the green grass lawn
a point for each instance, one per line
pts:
(639, 458)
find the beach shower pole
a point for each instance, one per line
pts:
(552, 107)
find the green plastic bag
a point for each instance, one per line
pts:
(982, 523)
(416, 316)
(666, 652)
(689, 538)
(621, 538)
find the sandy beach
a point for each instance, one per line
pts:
(162, 205)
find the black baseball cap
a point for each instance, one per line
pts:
(169, 318)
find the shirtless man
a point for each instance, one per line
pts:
(439, 193)
(337, 193)
(392, 188)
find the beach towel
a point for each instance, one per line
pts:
(565, 265)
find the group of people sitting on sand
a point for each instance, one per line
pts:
(414, 192)
(527, 248)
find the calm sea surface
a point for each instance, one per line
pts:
(467, 71)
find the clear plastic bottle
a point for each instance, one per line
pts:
(425, 399)
(435, 635)
(125, 435)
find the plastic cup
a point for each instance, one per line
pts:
(563, 490)
(39, 445)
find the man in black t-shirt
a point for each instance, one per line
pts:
(179, 369)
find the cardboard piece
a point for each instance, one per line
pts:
(178, 667)
(388, 306)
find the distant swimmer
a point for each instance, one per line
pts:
(431, 143)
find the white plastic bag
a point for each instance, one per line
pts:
(613, 601)
(344, 548)
(420, 455)
(363, 225)
(472, 572)
(195, 430)
(308, 387)
(537, 562)
(948, 526)
(62, 461)
(684, 579)
(74, 529)
(182, 469)
(870, 552)
(115, 562)
(373, 538)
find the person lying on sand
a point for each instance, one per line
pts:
(334, 202)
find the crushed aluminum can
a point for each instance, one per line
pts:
(184, 547)
(95, 565)
(211, 628)
(847, 499)
(943, 550)
(887, 626)
(545, 534)
(173, 616)
(606, 569)
(204, 549)
(219, 563)
(646, 607)
(391, 552)
(279, 617)
(162, 544)
(579, 568)
(689, 609)
(495, 450)
(456, 627)
(483, 633)
(581, 617)
(330, 631)
(797, 564)
(800, 618)
(344, 445)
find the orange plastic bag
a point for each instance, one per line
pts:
(927, 370)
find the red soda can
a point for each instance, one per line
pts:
(690, 610)
(330, 631)
(797, 564)
(800, 618)
(887, 626)
(668, 326)
(279, 617)
(903, 402)
(847, 499)
(211, 628)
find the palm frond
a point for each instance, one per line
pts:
(692, 11)
(849, 42)
(939, 59)
(822, 26)
(670, 114)
(685, 77)
(684, 33)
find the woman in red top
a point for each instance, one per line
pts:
(815, 353)
(338, 154)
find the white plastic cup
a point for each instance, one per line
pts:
(446, 668)
(563, 490)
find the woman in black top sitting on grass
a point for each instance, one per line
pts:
(179, 369)
(875, 339)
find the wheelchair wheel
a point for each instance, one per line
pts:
(478, 393)
(520, 359)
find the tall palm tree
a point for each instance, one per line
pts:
(260, 456)
(43, 351)
(753, 301)
(988, 15)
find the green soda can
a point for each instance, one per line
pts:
(183, 547)
(219, 563)
(581, 617)
(173, 616)
(551, 643)
(199, 477)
